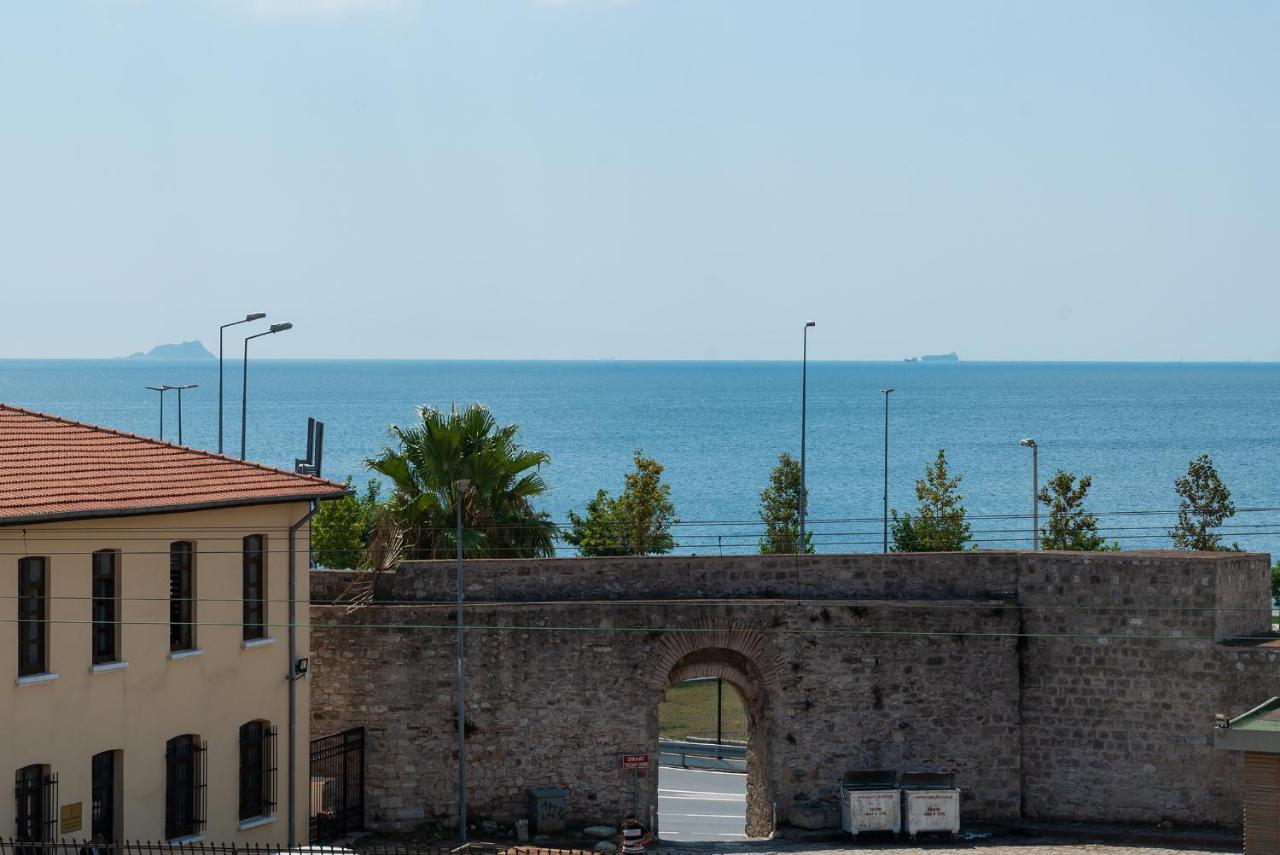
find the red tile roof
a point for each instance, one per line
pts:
(52, 468)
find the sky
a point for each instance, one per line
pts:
(643, 179)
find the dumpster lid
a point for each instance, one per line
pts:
(548, 792)
(927, 781)
(868, 779)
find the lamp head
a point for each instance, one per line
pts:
(810, 323)
(158, 388)
(255, 316)
(888, 390)
(280, 327)
(1027, 443)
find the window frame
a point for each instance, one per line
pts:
(105, 589)
(185, 786)
(182, 608)
(33, 616)
(257, 770)
(104, 795)
(36, 804)
(254, 586)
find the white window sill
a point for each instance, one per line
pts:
(186, 654)
(33, 679)
(257, 642)
(104, 667)
(185, 841)
(246, 824)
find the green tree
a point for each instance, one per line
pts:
(340, 530)
(780, 510)
(501, 481)
(1205, 503)
(939, 524)
(637, 522)
(1275, 582)
(1069, 526)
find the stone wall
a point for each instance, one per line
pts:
(1055, 685)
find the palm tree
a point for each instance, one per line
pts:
(498, 517)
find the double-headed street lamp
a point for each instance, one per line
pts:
(804, 405)
(256, 316)
(886, 392)
(179, 390)
(161, 390)
(244, 383)
(1035, 489)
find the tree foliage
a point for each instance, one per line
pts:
(340, 529)
(1069, 526)
(939, 523)
(1205, 503)
(1275, 582)
(637, 522)
(503, 480)
(780, 510)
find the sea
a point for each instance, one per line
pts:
(718, 427)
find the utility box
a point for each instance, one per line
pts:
(547, 808)
(870, 801)
(930, 803)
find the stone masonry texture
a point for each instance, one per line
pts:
(1056, 686)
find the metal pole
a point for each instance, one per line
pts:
(162, 415)
(179, 416)
(220, 331)
(719, 711)
(1035, 501)
(886, 468)
(804, 405)
(462, 682)
(244, 395)
(293, 676)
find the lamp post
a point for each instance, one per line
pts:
(804, 406)
(461, 487)
(256, 316)
(1035, 488)
(179, 390)
(244, 383)
(886, 392)
(161, 390)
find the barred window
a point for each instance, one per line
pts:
(182, 600)
(257, 770)
(106, 606)
(184, 786)
(102, 815)
(255, 588)
(36, 793)
(33, 616)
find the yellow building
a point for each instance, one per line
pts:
(152, 673)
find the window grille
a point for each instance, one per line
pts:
(36, 795)
(33, 616)
(184, 786)
(257, 770)
(103, 805)
(106, 588)
(255, 588)
(182, 603)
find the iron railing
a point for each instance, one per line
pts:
(9, 846)
(337, 784)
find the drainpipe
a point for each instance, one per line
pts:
(293, 670)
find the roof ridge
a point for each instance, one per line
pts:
(159, 443)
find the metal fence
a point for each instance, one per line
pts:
(337, 784)
(706, 709)
(9, 846)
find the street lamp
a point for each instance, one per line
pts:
(179, 390)
(256, 316)
(161, 390)
(886, 466)
(461, 488)
(804, 405)
(244, 383)
(1035, 488)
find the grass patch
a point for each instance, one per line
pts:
(690, 711)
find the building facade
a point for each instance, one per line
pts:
(152, 672)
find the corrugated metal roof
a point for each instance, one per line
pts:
(54, 468)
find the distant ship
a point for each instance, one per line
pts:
(935, 357)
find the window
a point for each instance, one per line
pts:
(103, 806)
(255, 588)
(182, 601)
(37, 804)
(184, 786)
(33, 626)
(257, 770)
(106, 606)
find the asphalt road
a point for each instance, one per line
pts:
(700, 805)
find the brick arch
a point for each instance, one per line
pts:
(748, 661)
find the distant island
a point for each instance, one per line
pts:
(935, 357)
(185, 350)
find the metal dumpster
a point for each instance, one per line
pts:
(547, 808)
(930, 802)
(870, 801)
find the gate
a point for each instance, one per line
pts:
(337, 784)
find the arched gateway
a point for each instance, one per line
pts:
(748, 661)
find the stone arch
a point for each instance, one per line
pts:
(746, 660)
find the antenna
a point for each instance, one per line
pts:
(310, 465)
